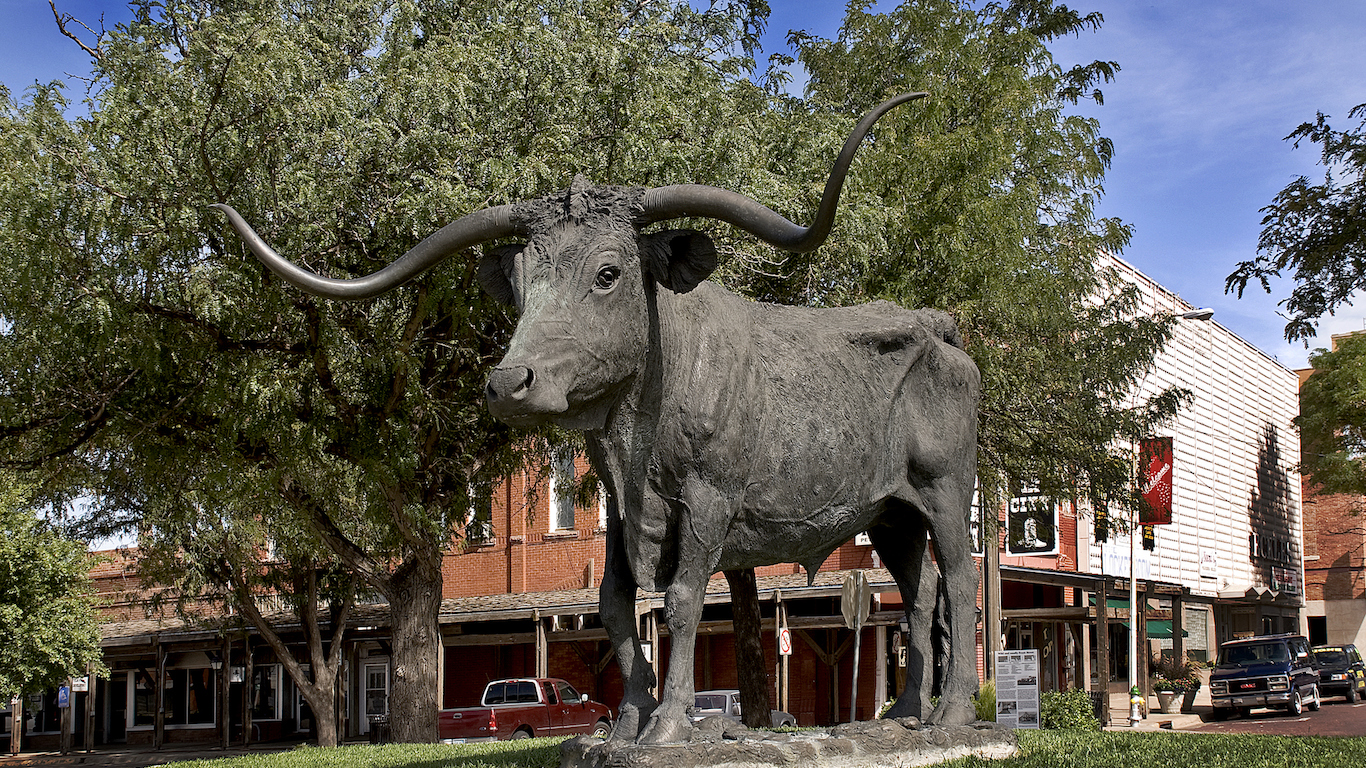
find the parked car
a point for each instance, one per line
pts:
(725, 703)
(520, 708)
(1264, 671)
(1341, 671)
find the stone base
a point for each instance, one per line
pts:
(718, 743)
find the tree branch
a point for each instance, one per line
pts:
(63, 19)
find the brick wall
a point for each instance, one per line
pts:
(1335, 546)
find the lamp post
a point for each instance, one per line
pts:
(1134, 529)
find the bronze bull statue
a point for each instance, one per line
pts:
(729, 434)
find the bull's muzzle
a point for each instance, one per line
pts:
(510, 384)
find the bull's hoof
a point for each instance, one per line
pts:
(903, 707)
(952, 714)
(666, 730)
(628, 724)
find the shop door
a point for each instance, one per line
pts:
(376, 694)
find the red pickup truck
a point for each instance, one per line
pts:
(524, 707)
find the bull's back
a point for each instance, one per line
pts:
(839, 407)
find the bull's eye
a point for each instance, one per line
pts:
(607, 278)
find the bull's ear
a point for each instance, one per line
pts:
(678, 259)
(494, 268)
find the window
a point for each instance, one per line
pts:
(567, 693)
(265, 692)
(189, 696)
(549, 689)
(562, 493)
(511, 692)
(479, 529)
(144, 698)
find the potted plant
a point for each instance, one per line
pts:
(1175, 681)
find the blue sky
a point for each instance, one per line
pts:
(1206, 93)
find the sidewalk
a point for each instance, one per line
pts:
(1119, 711)
(118, 756)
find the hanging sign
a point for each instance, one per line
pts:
(1155, 476)
(1032, 526)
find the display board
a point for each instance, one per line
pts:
(1017, 688)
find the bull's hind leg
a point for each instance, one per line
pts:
(901, 542)
(947, 501)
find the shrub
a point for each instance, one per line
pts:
(1071, 710)
(985, 701)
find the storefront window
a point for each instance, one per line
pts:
(144, 699)
(265, 692)
(189, 696)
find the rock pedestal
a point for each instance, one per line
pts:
(718, 743)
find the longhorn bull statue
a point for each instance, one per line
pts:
(729, 434)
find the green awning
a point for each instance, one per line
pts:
(1162, 630)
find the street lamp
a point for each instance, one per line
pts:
(1134, 532)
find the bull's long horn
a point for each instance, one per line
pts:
(478, 227)
(711, 202)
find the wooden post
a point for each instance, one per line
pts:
(66, 718)
(653, 633)
(91, 683)
(355, 709)
(1144, 647)
(880, 676)
(542, 649)
(1178, 627)
(248, 690)
(159, 730)
(223, 716)
(1103, 650)
(991, 599)
(16, 725)
(784, 662)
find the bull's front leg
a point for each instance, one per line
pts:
(682, 611)
(617, 603)
(683, 600)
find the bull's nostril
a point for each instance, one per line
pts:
(530, 379)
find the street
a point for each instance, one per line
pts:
(1335, 718)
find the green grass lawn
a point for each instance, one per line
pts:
(1039, 749)
(1083, 749)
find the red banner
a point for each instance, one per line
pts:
(1155, 474)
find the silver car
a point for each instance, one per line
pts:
(725, 703)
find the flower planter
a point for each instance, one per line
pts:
(1188, 700)
(1169, 702)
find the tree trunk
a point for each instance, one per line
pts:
(321, 696)
(750, 668)
(414, 605)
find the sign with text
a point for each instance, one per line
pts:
(1155, 477)
(1017, 688)
(1114, 560)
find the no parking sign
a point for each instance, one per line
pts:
(785, 642)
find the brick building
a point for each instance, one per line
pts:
(1334, 561)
